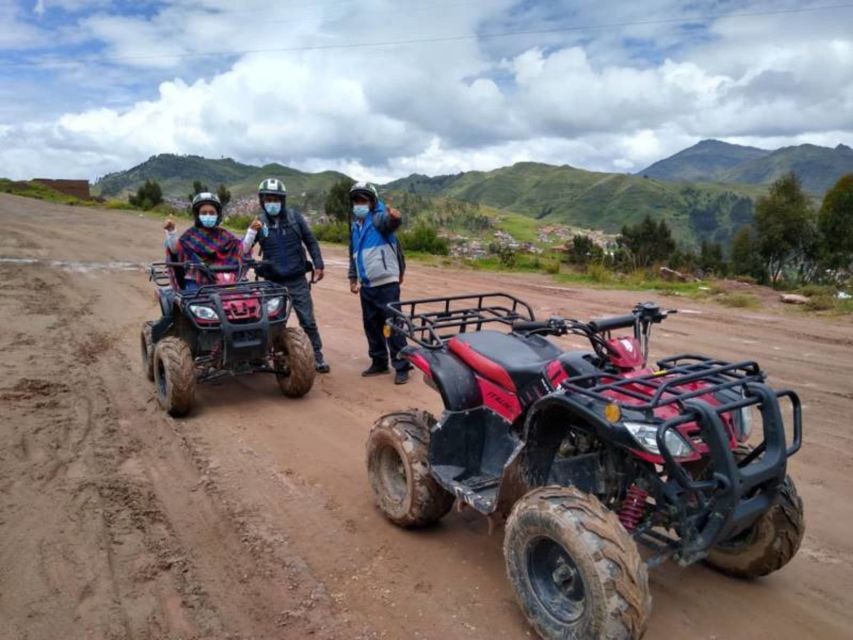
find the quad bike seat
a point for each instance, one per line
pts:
(508, 360)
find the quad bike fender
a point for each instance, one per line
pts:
(446, 373)
(547, 424)
(161, 328)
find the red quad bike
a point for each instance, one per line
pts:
(591, 454)
(229, 327)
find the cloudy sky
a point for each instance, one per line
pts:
(384, 88)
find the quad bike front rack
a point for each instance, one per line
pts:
(730, 494)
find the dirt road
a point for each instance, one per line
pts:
(253, 519)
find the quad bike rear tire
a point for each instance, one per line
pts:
(147, 351)
(398, 468)
(174, 376)
(294, 354)
(576, 572)
(770, 543)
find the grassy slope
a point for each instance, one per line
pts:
(36, 190)
(577, 197)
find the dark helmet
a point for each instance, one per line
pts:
(205, 197)
(365, 189)
(272, 187)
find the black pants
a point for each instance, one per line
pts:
(374, 313)
(304, 308)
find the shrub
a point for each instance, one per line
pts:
(738, 300)
(424, 238)
(822, 302)
(337, 232)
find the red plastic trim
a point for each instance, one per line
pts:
(479, 362)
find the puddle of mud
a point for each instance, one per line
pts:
(76, 266)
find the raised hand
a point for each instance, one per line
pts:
(170, 224)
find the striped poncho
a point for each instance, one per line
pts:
(208, 246)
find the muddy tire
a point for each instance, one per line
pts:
(770, 543)
(576, 572)
(398, 469)
(294, 354)
(174, 376)
(147, 351)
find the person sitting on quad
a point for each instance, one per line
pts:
(376, 268)
(205, 242)
(283, 236)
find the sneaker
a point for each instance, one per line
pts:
(322, 366)
(401, 377)
(375, 369)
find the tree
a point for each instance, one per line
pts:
(835, 224)
(337, 202)
(746, 261)
(784, 225)
(224, 195)
(711, 258)
(646, 242)
(198, 187)
(583, 251)
(148, 196)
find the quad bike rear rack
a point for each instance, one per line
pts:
(730, 494)
(430, 322)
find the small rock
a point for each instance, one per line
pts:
(794, 298)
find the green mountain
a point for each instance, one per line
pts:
(176, 175)
(817, 167)
(713, 161)
(703, 162)
(604, 201)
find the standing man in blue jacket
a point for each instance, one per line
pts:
(283, 235)
(376, 269)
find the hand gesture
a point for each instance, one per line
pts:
(170, 224)
(256, 224)
(394, 213)
(353, 286)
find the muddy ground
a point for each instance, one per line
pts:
(253, 518)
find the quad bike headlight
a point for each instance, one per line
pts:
(274, 305)
(744, 419)
(646, 436)
(203, 312)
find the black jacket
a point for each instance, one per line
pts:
(283, 239)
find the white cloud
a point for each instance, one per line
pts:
(382, 112)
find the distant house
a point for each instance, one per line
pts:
(74, 188)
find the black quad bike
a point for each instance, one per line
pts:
(590, 453)
(229, 327)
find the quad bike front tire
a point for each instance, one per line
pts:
(576, 572)
(295, 355)
(770, 543)
(147, 351)
(174, 376)
(398, 469)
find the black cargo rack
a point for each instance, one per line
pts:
(430, 322)
(664, 384)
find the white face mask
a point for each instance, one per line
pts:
(360, 211)
(272, 208)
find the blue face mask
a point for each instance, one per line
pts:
(208, 221)
(360, 211)
(272, 208)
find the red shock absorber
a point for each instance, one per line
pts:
(633, 507)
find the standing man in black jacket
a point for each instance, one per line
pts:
(283, 236)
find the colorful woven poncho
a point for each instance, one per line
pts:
(209, 246)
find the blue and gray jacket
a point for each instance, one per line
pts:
(375, 256)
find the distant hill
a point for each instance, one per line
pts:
(704, 162)
(817, 167)
(604, 201)
(713, 161)
(176, 175)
